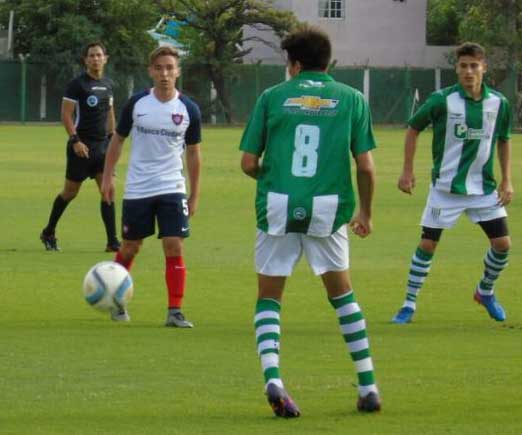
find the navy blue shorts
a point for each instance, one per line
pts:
(80, 168)
(139, 217)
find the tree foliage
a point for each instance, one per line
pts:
(443, 21)
(214, 34)
(54, 32)
(495, 24)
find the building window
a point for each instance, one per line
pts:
(331, 9)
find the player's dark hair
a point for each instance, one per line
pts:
(85, 51)
(162, 51)
(310, 46)
(470, 49)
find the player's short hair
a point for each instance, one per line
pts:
(310, 46)
(162, 51)
(470, 49)
(86, 49)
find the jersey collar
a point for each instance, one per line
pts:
(465, 95)
(314, 75)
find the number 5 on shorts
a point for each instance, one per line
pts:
(184, 204)
(306, 143)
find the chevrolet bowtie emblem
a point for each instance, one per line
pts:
(307, 102)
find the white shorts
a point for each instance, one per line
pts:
(443, 209)
(278, 255)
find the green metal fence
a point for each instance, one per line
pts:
(390, 91)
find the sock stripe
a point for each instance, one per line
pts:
(420, 274)
(266, 314)
(268, 336)
(366, 378)
(351, 328)
(349, 338)
(345, 299)
(269, 361)
(364, 365)
(271, 373)
(352, 318)
(420, 263)
(358, 345)
(268, 350)
(360, 355)
(423, 255)
(347, 309)
(494, 264)
(268, 305)
(267, 321)
(495, 260)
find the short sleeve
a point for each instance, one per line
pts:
(193, 133)
(426, 113)
(73, 91)
(254, 136)
(126, 116)
(362, 138)
(505, 121)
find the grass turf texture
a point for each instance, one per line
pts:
(65, 368)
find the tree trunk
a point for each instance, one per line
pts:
(218, 78)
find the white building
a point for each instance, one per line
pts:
(378, 33)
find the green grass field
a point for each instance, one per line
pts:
(67, 369)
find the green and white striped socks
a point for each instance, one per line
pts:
(268, 332)
(419, 268)
(494, 263)
(353, 327)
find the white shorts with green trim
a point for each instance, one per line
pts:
(278, 255)
(443, 209)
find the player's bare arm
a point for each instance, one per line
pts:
(111, 159)
(193, 161)
(68, 107)
(505, 188)
(407, 179)
(250, 164)
(361, 223)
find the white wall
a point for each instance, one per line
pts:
(374, 33)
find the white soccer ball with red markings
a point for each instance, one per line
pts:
(108, 285)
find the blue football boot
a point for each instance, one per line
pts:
(493, 308)
(404, 315)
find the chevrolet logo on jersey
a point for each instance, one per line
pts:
(308, 102)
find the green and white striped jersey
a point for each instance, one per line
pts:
(306, 129)
(465, 132)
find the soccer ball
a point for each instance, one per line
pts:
(107, 285)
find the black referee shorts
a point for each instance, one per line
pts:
(79, 168)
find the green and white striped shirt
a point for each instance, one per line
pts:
(465, 132)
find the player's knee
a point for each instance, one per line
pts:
(69, 195)
(501, 244)
(173, 246)
(428, 245)
(129, 249)
(429, 239)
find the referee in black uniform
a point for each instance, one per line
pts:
(88, 118)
